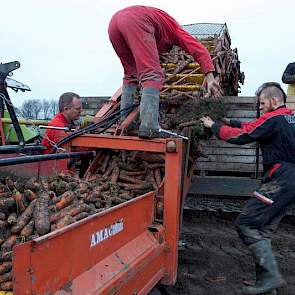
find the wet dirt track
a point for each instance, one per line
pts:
(215, 262)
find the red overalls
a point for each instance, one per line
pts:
(139, 34)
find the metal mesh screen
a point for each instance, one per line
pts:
(205, 30)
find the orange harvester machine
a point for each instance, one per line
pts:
(126, 249)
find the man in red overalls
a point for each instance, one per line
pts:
(139, 34)
(70, 108)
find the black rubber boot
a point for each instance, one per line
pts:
(149, 113)
(268, 275)
(127, 98)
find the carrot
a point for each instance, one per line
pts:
(83, 187)
(33, 185)
(10, 183)
(105, 186)
(30, 195)
(51, 194)
(19, 200)
(117, 200)
(6, 256)
(6, 277)
(158, 176)
(105, 162)
(7, 205)
(3, 188)
(3, 224)
(151, 179)
(4, 194)
(66, 220)
(24, 218)
(5, 267)
(150, 157)
(133, 173)
(138, 192)
(45, 184)
(141, 186)
(72, 185)
(115, 174)
(7, 286)
(28, 229)
(12, 218)
(81, 215)
(93, 196)
(9, 243)
(126, 196)
(61, 187)
(130, 179)
(66, 199)
(41, 214)
(71, 210)
(98, 204)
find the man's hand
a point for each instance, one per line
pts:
(213, 87)
(207, 121)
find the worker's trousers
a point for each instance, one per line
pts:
(134, 42)
(264, 211)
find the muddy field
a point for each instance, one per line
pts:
(215, 262)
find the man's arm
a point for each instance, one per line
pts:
(289, 74)
(259, 129)
(201, 55)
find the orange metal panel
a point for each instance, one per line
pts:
(54, 261)
(35, 169)
(172, 201)
(119, 250)
(120, 142)
(115, 273)
(108, 106)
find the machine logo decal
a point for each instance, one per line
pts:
(106, 232)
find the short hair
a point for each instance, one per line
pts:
(66, 99)
(272, 89)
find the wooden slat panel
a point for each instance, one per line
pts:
(235, 167)
(239, 99)
(244, 106)
(291, 105)
(229, 159)
(214, 142)
(241, 114)
(229, 151)
(290, 99)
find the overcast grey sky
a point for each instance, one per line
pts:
(63, 45)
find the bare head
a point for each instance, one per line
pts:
(70, 105)
(270, 96)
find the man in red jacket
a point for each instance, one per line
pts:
(139, 34)
(275, 132)
(70, 108)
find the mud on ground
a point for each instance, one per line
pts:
(215, 262)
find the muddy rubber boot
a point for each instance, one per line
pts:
(127, 98)
(269, 277)
(149, 113)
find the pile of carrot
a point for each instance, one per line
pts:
(32, 208)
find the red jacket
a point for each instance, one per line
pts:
(275, 132)
(52, 135)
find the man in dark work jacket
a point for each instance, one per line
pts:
(275, 132)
